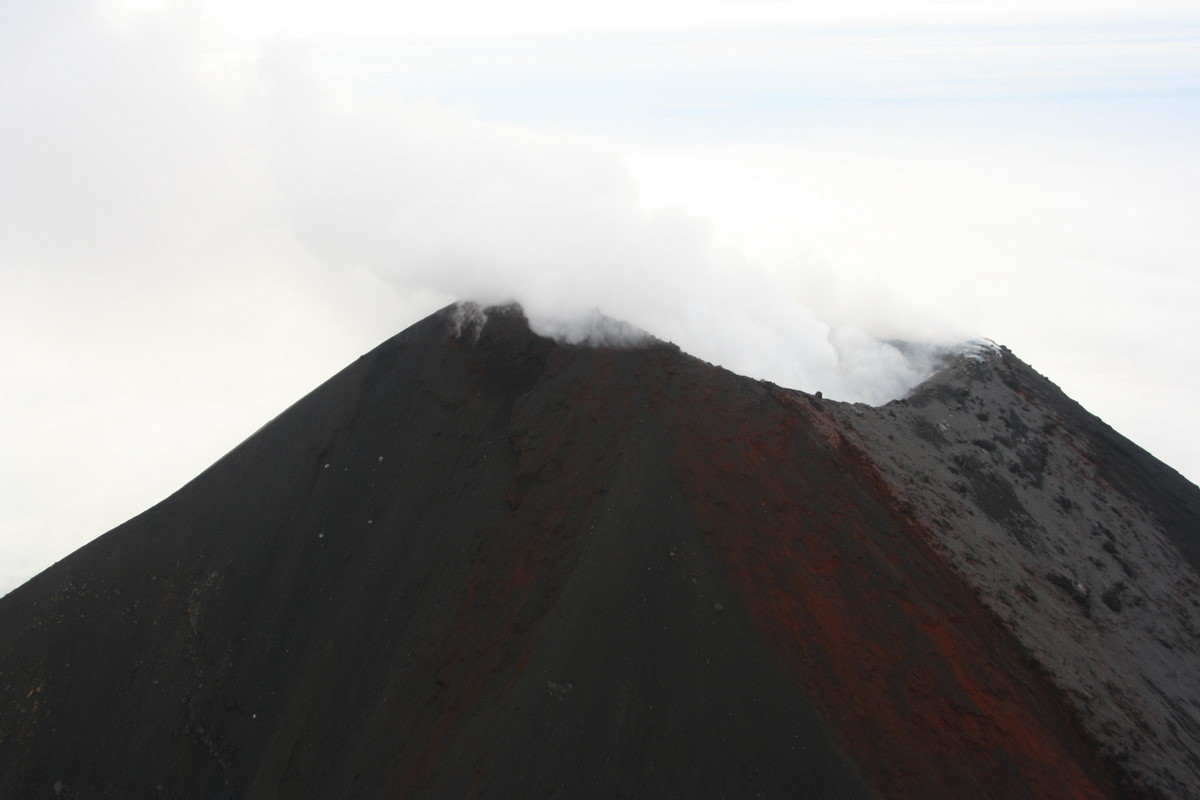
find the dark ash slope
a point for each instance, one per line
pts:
(479, 563)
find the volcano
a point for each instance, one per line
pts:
(481, 563)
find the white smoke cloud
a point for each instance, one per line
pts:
(160, 157)
(430, 197)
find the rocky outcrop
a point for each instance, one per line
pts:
(1081, 542)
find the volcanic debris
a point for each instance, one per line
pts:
(478, 562)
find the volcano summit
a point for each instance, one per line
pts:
(478, 562)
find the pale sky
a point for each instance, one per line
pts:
(207, 208)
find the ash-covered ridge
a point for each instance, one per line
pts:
(479, 561)
(1080, 541)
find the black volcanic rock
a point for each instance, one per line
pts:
(480, 563)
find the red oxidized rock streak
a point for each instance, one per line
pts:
(884, 637)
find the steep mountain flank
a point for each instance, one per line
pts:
(480, 563)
